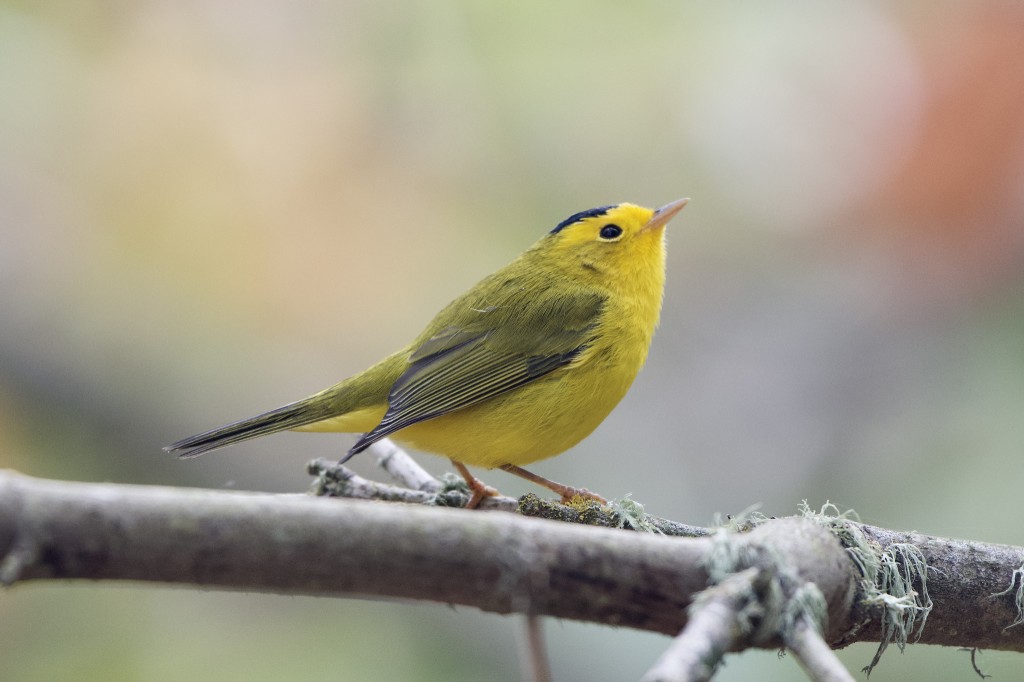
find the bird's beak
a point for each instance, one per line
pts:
(665, 214)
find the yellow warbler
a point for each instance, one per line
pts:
(521, 367)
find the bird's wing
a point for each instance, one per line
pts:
(484, 352)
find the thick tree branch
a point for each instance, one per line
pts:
(497, 562)
(298, 544)
(976, 589)
(965, 580)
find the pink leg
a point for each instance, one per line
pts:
(567, 492)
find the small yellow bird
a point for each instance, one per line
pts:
(519, 368)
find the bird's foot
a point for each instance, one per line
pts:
(478, 488)
(479, 494)
(569, 493)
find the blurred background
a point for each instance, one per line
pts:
(208, 209)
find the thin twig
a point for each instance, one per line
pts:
(714, 628)
(534, 652)
(403, 468)
(814, 655)
(337, 480)
(974, 662)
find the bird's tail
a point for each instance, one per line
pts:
(289, 416)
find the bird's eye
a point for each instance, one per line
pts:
(610, 232)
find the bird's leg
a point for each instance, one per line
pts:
(479, 488)
(567, 492)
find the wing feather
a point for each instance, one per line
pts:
(484, 355)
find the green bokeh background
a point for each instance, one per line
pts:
(208, 209)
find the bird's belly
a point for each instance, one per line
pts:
(530, 423)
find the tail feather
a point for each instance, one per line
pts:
(283, 418)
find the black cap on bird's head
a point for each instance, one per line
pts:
(582, 215)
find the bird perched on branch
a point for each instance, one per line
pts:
(521, 367)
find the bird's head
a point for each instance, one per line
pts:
(612, 242)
